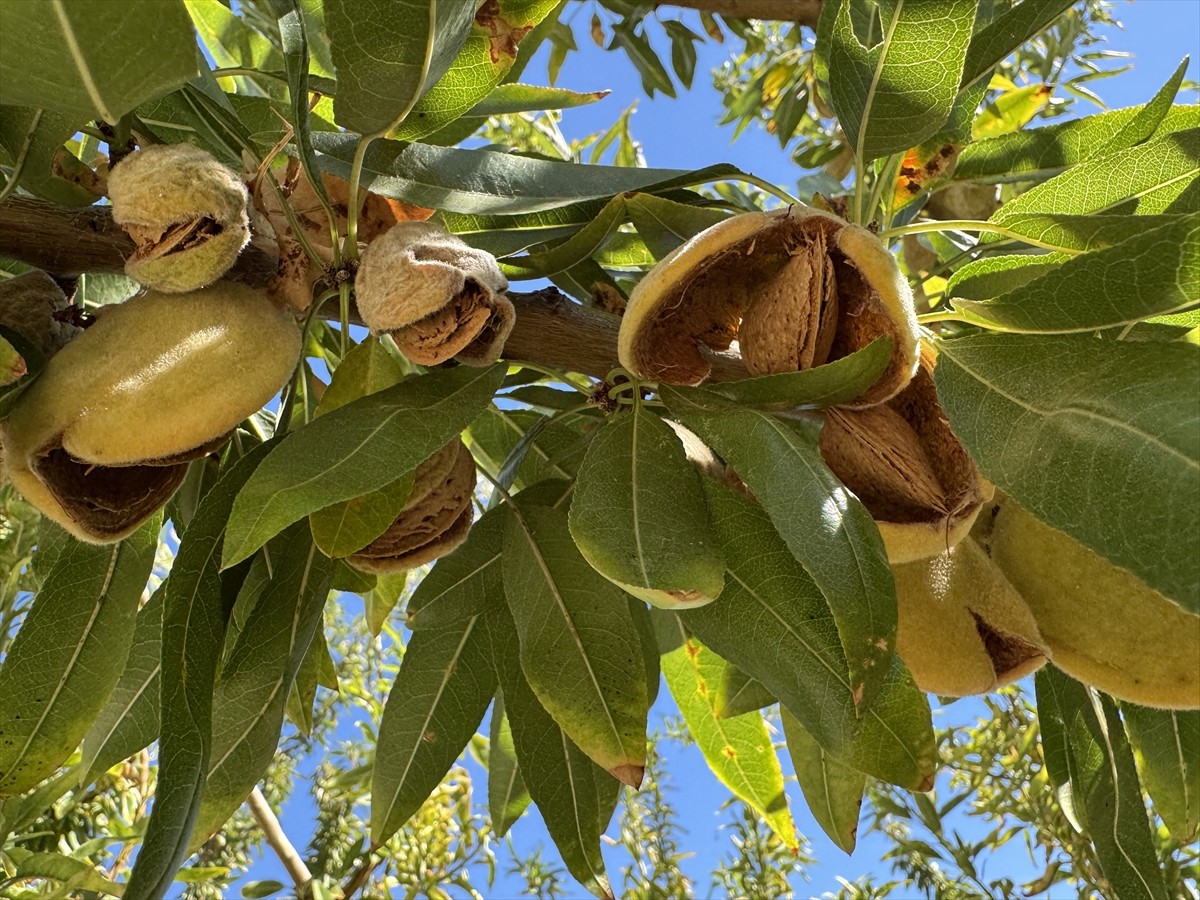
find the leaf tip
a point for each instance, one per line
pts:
(629, 773)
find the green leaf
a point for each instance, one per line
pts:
(382, 598)
(73, 875)
(580, 650)
(638, 514)
(484, 181)
(683, 50)
(254, 890)
(738, 694)
(1010, 111)
(483, 61)
(637, 47)
(506, 235)
(249, 701)
(992, 276)
(1116, 432)
(89, 60)
(195, 615)
(738, 751)
(129, 720)
(833, 789)
(1038, 153)
(69, 653)
(569, 788)
(1006, 33)
(893, 95)
(467, 582)
(303, 692)
(827, 385)
(1167, 742)
(37, 135)
(355, 450)
(1085, 748)
(1155, 272)
(230, 39)
(516, 98)
(346, 527)
(665, 224)
(1149, 117)
(507, 795)
(436, 703)
(388, 54)
(554, 451)
(578, 247)
(824, 525)
(770, 601)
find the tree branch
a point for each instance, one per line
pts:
(268, 823)
(802, 12)
(550, 329)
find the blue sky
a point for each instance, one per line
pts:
(683, 133)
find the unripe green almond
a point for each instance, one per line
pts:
(962, 628)
(185, 211)
(1103, 625)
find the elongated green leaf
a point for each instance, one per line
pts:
(1149, 117)
(354, 450)
(250, 698)
(1115, 428)
(637, 47)
(467, 582)
(824, 525)
(995, 275)
(303, 692)
(1038, 153)
(569, 789)
(580, 650)
(638, 514)
(70, 651)
(230, 39)
(893, 95)
(346, 527)
(833, 789)
(1168, 745)
(1005, 34)
(666, 224)
(1010, 111)
(485, 58)
(507, 795)
(1154, 272)
(828, 385)
(506, 235)
(484, 181)
(129, 720)
(738, 694)
(88, 60)
(441, 692)
(555, 451)
(390, 53)
(739, 751)
(770, 601)
(73, 875)
(516, 98)
(36, 135)
(580, 246)
(195, 614)
(1085, 747)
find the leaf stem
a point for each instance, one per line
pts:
(22, 155)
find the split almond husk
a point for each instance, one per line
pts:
(34, 306)
(793, 288)
(436, 296)
(102, 439)
(962, 628)
(186, 213)
(434, 521)
(904, 463)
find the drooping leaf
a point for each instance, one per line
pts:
(833, 789)
(436, 703)
(823, 524)
(666, 224)
(303, 692)
(507, 795)
(255, 682)
(1167, 742)
(580, 651)
(770, 601)
(893, 95)
(1116, 433)
(738, 694)
(88, 60)
(637, 47)
(506, 235)
(738, 751)
(388, 54)
(1085, 747)
(638, 514)
(382, 598)
(355, 450)
(129, 720)
(70, 651)
(487, 182)
(580, 246)
(467, 582)
(568, 787)
(195, 613)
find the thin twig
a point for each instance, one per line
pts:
(268, 823)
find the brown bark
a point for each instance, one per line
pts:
(802, 12)
(550, 330)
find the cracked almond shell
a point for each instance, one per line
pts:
(907, 467)
(435, 520)
(962, 628)
(186, 213)
(436, 296)
(102, 438)
(1102, 624)
(795, 288)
